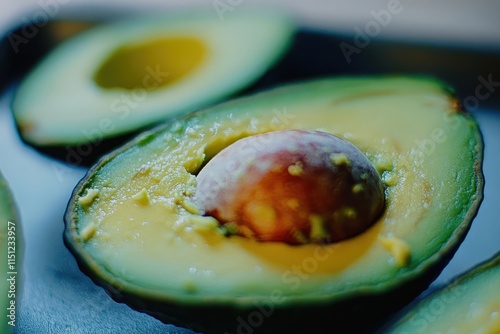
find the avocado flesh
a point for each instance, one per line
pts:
(10, 261)
(133, 228)
(470, 304)
(120, 77)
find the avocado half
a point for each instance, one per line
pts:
(122, 76)
(10, 260)
(133, 228)
(469, 304)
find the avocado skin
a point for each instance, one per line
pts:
(361, 314)
(84, 154)
(460, 281)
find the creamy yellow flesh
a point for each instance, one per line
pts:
(471, 307)
(151, 65)
(157, 242)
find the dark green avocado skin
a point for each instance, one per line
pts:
(458, 283)
(364, 313)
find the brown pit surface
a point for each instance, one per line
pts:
(292, 186)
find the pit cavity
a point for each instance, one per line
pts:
(152, 65)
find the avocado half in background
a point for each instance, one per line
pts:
(10, 261)
(117, 78)
(470, 304)
(133, 228)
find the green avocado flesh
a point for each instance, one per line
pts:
(10, 258)
(119, 77)
(134, 228)
(470, 304)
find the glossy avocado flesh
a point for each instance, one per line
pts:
(470, 304)
(10, 261)
(119, 77)
(134, 228)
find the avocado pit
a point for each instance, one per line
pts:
(292, 186)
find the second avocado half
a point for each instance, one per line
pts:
(118, 78)
(135, 230)
(469, 304)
